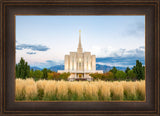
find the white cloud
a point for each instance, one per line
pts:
(111, 52)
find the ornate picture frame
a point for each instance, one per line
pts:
(9, 9)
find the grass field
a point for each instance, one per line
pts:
(50, 90)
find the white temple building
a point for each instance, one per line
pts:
(80, 64)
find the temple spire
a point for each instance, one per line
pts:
(79, 45)
(79, 49)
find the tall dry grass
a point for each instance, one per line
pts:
(64, 90)
(105, 90)
(41, 84)
(140, 89)
(50, 90)
(129, 90)
(20, 89)
(76, 90)
(30, 89)
(117, 90)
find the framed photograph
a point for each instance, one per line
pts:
(80, 57)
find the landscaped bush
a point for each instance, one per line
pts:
(64, 90)
(58, 76)
(120, 75)
(104, 76)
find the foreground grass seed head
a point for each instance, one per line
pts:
(64, 90)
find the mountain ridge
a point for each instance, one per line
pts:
(105, 68)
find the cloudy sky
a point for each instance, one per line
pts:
(115, 40)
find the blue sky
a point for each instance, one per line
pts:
(44, 40)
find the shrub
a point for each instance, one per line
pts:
(108, 76)
(96, 76)
(120, 75)
(37, 74)
(131, 75)
(64, 76)
(50, 76)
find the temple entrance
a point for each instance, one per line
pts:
(80, 75)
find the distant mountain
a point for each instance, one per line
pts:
(56, 68)
(105, 68)
(35, 68)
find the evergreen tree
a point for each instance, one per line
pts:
(45, 73)
(22, 69)
(17, 72)
(49, 71)
(139, 70)
(127, 69)
(143, 72)
(114, 71)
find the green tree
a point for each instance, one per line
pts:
(114, 71)
(143, 72)
(108, 76)
(50, 75)
(27, 69)
(127, 69)
(49, 71)
(54, 76)
(64, 76)
(17, 71)
(45, 73)
(22, 69)
(139, 70)
(131, 74)
(31, 74)
(120, 75)
(96, 76)
(37, 74)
